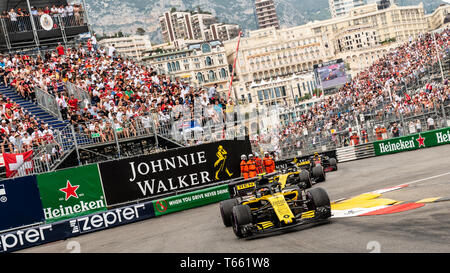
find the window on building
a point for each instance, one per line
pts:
(200, 77)
(277, 92)
(211, 75)
(208, 61)
(260, 95)
(206, 48)
(223, 73)
(266, 94)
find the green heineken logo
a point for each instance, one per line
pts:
(71, 193)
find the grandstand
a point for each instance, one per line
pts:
(19, 32)
(80, 104)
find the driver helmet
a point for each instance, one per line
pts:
(263, 180)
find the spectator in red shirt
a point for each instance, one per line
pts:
(60, 49)
(73, 103)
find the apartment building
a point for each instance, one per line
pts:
(186, 25)
(343, 7)
(133, 46)
(266, 15)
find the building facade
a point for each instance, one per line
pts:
(359, 38)
(266, 15)
(203, 64)
(132, 46)
(343, 7)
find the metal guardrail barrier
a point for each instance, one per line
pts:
(47, 102)
(77, 92)
(23, 23)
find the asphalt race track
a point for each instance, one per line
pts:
(425, 229)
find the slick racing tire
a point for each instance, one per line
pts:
(226, 208)
(241, 216)
(333, 163)
(305, 177)
(319, 200)
(319, 173)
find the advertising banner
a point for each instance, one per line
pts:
(47, 233)
(20, 203)
(147, 176)
(71, 193)
(412, 142)
(111, 218)
(29, 237)
(191, 200)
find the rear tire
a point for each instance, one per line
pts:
(226, 208)
(305, 177)
(319, 174)
(333, 163)
(241, 216)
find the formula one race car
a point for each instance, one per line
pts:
(271, 209)
(316, 171)
(291, 176)
(329, 164)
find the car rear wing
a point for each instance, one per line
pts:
(245, 187)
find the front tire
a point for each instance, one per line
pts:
(241, 216)
(319, 200)
(226, 208)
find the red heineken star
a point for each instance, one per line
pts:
(70, 190)
(421, 141)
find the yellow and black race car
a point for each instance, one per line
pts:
(292, 176)
(272, 208)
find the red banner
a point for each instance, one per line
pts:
(18, 164)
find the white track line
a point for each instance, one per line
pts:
(428, 178)
(400, 186)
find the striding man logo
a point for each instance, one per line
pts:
(221, 162)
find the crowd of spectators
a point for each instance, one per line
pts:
(20, 131)
(378, 93)
(127, 98)
(19, 20)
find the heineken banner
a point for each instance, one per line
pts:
(71, 193)
(412, 142)
(191, 200)
(20, 203)
(148, 176)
